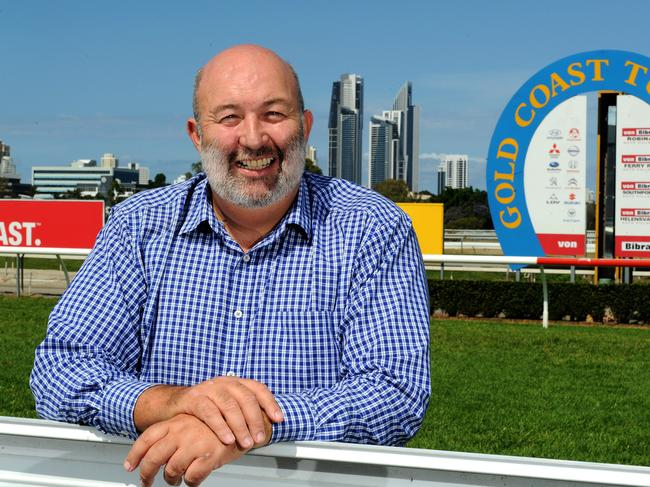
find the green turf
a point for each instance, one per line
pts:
(22, 326)
(9, 263)
(569, 392)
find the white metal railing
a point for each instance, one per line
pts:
(46, 453)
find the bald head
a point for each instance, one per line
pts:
(236, 57)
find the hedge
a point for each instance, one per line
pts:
(622, 303)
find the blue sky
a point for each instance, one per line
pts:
(80, 78)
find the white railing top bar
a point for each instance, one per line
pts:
(435, 467)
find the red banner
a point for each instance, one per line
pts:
(67, 224)
(562, 244)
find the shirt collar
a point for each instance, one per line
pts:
(200, 210)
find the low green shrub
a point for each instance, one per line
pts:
(623, 303)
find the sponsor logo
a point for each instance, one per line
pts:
(574, 133)
(642, 212)
(553, 200)
(633, 132)
(635, 158)
(638, 246)
(18, 234)
(553, 164)
(572, 183)
(554, 134)
(573, 150)
(573, 164)
(552, 181)
(554, 151)
(571, 213)
(567, 244)
(572, 196)
(635, 185)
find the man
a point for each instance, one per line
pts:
(253, 305)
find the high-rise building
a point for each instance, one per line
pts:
(383, 149)
(345, 128)
(409, 134)
(110, 161)
(442, 177)
(404, 156)
(456, 169)
(312, 154)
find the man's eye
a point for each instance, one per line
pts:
(274, 115)
(228, 118)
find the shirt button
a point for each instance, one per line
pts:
(230, 373)
(238, 314)
(246, 257)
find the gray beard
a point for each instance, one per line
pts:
(261, 192)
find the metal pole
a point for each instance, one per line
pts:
(442, 271)
(65, 269)
(18, 275)
(573, 274)
(545, 293)
(518, 275)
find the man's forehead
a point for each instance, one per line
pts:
(245, 67)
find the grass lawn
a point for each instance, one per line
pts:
(72, 265)
(569, 392)
(22, 326)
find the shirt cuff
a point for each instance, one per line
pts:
(299, 423)
(118, 404)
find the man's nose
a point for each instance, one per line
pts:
(252, 133)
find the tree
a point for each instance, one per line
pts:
(197, 167)
(159, 181)
(465, 208)
(394, 189)
(4, 187)
(310, 166)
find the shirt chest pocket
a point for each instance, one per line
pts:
(296, 350)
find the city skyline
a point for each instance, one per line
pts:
(129, 93)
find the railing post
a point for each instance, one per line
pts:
(545, 295)
(573, 274)
(65, 269)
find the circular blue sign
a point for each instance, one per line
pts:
(624, 71)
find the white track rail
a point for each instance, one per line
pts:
(45, 453)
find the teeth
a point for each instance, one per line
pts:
(256, 164)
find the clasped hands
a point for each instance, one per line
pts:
(194, 430)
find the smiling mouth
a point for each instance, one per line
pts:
(255, 164)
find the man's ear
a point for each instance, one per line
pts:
(193, 132)
(308, 118)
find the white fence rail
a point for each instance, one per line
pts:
(45, 453)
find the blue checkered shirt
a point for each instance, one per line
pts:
(329, 310)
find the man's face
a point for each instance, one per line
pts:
(252, 134)
(240, 176)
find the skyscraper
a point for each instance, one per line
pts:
(345, 128)
(383, 149)
(409, 165)
(442, 177)
(456, 169)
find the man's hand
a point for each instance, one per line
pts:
(187, 448)
(233, 408)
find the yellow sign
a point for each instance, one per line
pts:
(428, 225)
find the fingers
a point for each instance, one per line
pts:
(186, 447)
(209, 413)
(266, 399)
(157, 456)
(142, 445)
(193, 467)
(234, 409)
